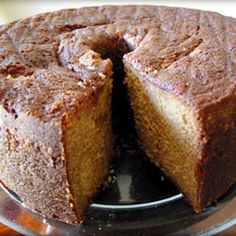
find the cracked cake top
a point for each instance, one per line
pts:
(56, 59)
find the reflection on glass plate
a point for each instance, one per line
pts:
(139, 202)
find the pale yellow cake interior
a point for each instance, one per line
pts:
(88, 144)
(167, 131)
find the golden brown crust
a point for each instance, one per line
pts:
(167, 40)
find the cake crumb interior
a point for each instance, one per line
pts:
(88, 146)
(167, 131)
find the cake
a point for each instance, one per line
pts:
(56, 93)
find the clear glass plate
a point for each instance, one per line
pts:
(138, 202)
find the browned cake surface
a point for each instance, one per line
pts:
(50, 68)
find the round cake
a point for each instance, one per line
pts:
(56, 87)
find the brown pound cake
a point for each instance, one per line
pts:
(55, 101)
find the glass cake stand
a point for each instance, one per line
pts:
(140, 201)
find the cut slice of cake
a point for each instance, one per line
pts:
(57, 138)
(184, 110)
(172, 135)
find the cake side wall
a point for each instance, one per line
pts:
(218, 164)
(32, 165)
